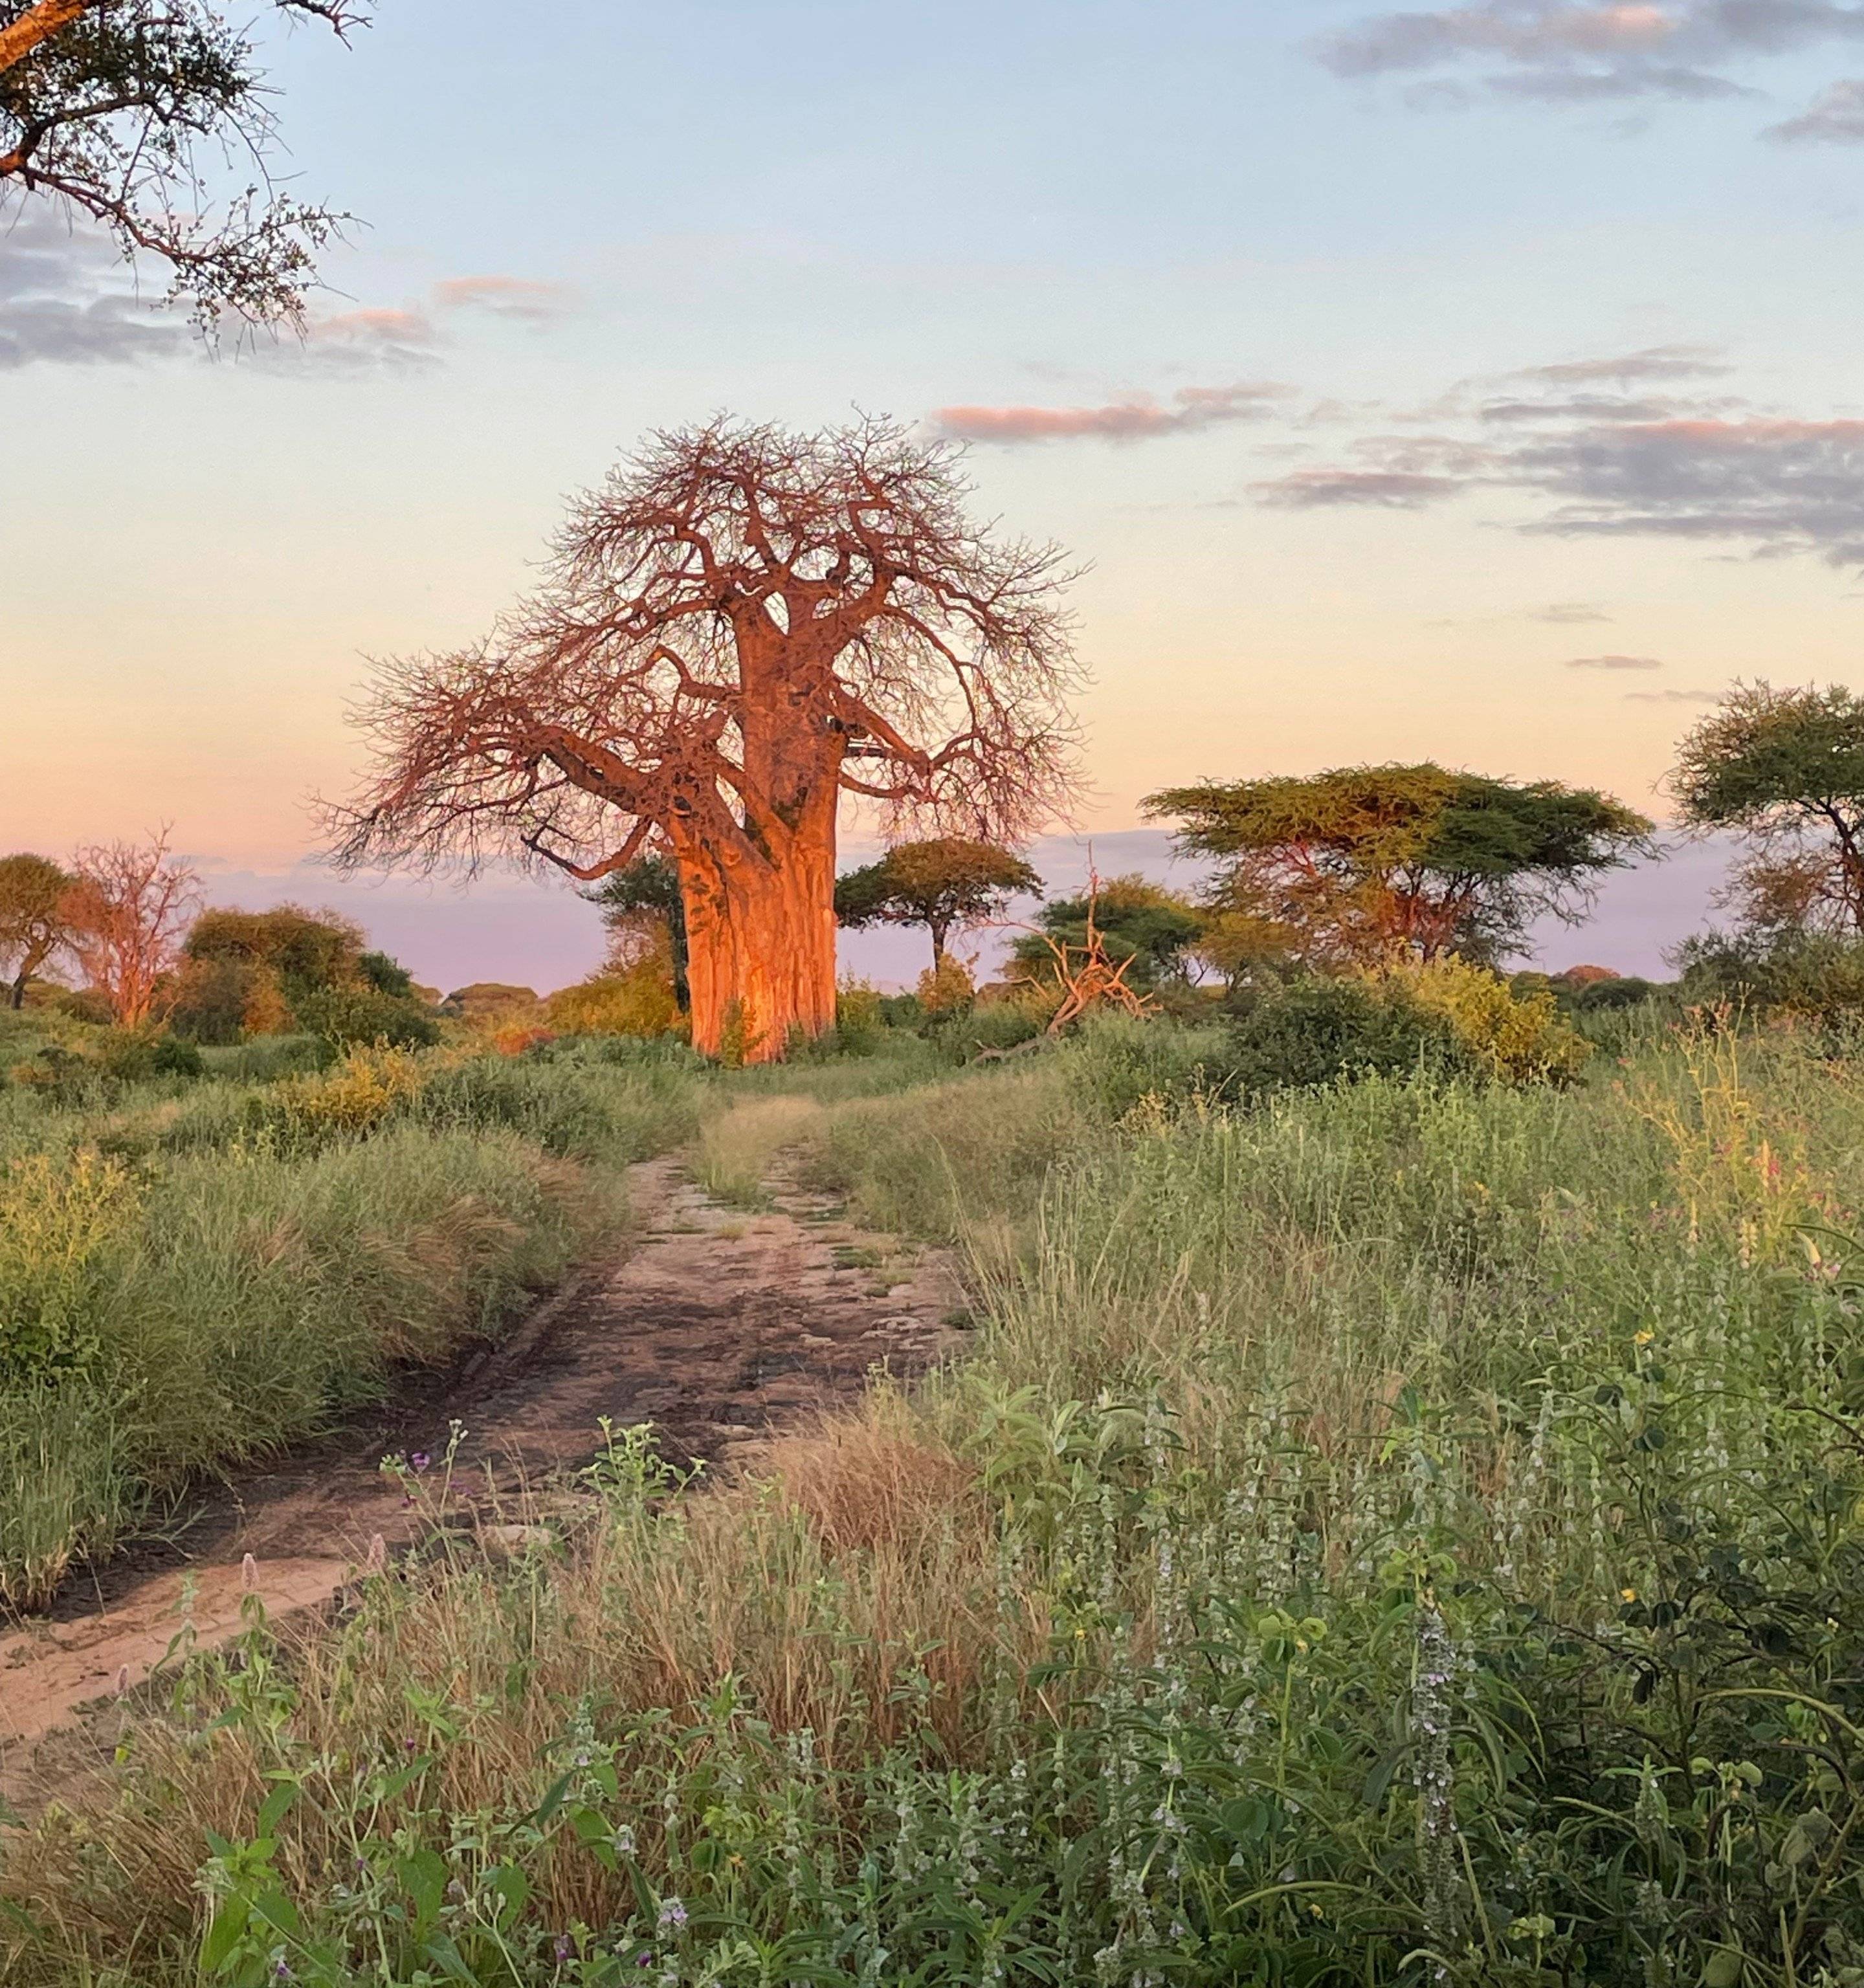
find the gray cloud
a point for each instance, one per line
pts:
(1595, 51)
(1137, 418)
(54, 304)
(1613, 662)
(1672, 696)
(1653, 362)
(1568, 614)
(1386, 489)
(1833, 117)
(1585, 408)
(1710, 470)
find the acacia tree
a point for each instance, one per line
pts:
(947, 881)
(740, 627)
(1365, 864)
(33, 926)
(107, 105)
(127, 913)
(1785, 768)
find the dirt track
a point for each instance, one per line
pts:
(716, 1325)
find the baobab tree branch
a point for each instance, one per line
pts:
(593, 873)
(38, 24)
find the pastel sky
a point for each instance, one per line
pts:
(1479, 383)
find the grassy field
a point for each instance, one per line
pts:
(192, 1274)
(1402, 1532)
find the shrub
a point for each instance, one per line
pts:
(365, 1089)
(363, 1014)
(1815, 977)
(946, 988)
(638, 1002)
(58, 1217)
(1518, 1037)
(1315, 1031)
(1116, 1062)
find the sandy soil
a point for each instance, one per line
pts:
(716, 1325)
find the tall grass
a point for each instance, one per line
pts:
(1401, 1534)
(192, 1275)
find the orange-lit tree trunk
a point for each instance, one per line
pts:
(759, 895)
(761, 948)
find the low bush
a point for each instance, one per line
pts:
(1314, 1031)
(1518, 1037)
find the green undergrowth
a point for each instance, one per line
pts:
(193, 1274)
(1402, 1531)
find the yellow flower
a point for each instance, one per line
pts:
(1627, 1594)
(1645, 1338)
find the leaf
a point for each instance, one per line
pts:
(272, 1808)
(424, 1878)
(513, 1888)
(224, 1934)
(552, 1801)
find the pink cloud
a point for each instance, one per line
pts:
(1138, 418)
(504, 296)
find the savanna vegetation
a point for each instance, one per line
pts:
(1396, 1518)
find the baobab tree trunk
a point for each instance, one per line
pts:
(760, 938)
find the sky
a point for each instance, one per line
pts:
(1475, 383)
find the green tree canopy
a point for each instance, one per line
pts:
(33, 924)
(1136, 920)
(1784, 768)
(119, 109)
(641, 908)
(1364, 864)
(307, 950)
(945, 882)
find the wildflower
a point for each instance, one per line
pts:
(248, 1573)
(419, 1461)
(1627, 1594)
(672, 1913)
(378, 1554)
(563, 1949)
(624, 1846)
(1644, 1337)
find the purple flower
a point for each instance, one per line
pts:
(420, 1460)
(672, 1913)
(563, 1949)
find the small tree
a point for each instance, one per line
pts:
(127, 912)
(1129, 922)
(106, 106)
(947, 881)
(644, 916)
(1371, 864)
(33, 925)
(1784, 768)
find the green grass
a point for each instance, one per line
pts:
(192, 1274)
(1399, 1533)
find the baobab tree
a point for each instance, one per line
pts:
(741, 626)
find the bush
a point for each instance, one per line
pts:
(640, 1001)
(1116, 1062)
(1315, 1031)
(344, 1016)
(1817, 979)
(1517, 1037)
